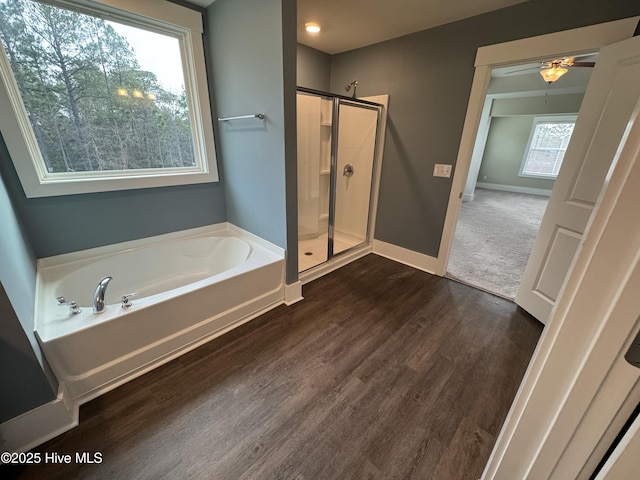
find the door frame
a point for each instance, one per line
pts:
(569, 42)
(569, 398)
(532, 438)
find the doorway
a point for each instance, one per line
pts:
(525, 128)
(538, 419)
(337, 146)
(577, 41)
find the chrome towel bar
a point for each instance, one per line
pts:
(261, 116)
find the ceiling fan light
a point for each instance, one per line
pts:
(312, 27)
(552, 74)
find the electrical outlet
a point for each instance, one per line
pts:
(441, 170)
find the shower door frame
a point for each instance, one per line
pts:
(337, 100)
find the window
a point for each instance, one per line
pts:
(104, 97)
(547, 144)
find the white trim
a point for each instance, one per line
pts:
(405, 256)
(468, 197)
(623, 461)
(165, 11)
(481, 80)
(382, 129)
(334, 264)
(513, 188)
(39, 425)
(484, 122)
(293, 293)
(163, 17)
(580, 40)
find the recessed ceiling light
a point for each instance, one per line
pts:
(312, 27)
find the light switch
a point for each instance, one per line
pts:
(441, 170)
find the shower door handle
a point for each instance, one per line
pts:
(347, 171)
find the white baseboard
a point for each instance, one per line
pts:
(468, 197)
(405, 256)
(293, 293)
(515, 189)
(39, 425)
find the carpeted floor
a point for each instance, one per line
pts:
(493, 239)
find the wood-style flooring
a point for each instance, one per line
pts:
(381, 372)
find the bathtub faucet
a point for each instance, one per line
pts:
(98, 297)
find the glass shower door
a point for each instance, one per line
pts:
(356, 144)
(314, 165)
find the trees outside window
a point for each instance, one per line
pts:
(93, 98)
(547, 144)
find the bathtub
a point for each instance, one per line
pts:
(190, 287)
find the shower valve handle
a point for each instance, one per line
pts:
(347, 171)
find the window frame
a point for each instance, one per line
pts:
(537, 120)
(161, 17)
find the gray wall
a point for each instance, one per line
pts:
(289, 60)
(313, 68)
(245, 38)
(428, 76)
(24, 383)
(538, 105)
(511, 123)
(504, 151)
(68, 223)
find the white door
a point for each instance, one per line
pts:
(624, 461)
(579, 387)
(608, 103)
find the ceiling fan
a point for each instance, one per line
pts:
(552, 70)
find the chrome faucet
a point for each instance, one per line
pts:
(98, 297)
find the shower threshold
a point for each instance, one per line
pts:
(313, 252)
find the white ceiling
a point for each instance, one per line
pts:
(349, 24)
(201, 3)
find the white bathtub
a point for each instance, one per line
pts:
(192, 286)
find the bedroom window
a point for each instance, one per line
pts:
(102, 96)
(547, 144)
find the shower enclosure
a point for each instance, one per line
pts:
(337, 139)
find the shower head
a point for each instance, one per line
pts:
(353, 84)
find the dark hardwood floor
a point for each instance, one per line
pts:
(381, 372)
